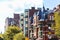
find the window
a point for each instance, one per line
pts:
(26, 28)
(46, 16)
(51, 18)
(49, 25)
(26, 25)
(26, 22)
(22, 15)
(26, 13)
(26, 19)
(26, 16)
(34, 21)
(21, 19)
(21, 24)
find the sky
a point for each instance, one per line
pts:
(9, 7)
(51, 3)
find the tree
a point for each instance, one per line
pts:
(1, 36)
(19, 36)
(57, 22)
(11, 32)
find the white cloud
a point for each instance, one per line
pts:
(5, 11)
(22, 4)
(8, 7)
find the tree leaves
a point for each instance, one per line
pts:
(13, 32)
(18, 36)
(57, 22)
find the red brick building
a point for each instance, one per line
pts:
(17, 19)
(32, 11)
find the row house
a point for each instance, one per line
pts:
(28, 14)
(40, 19)
(34, 22)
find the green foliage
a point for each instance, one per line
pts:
(57, 22)
(11, 32)
(18, 36)
(1, 36)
